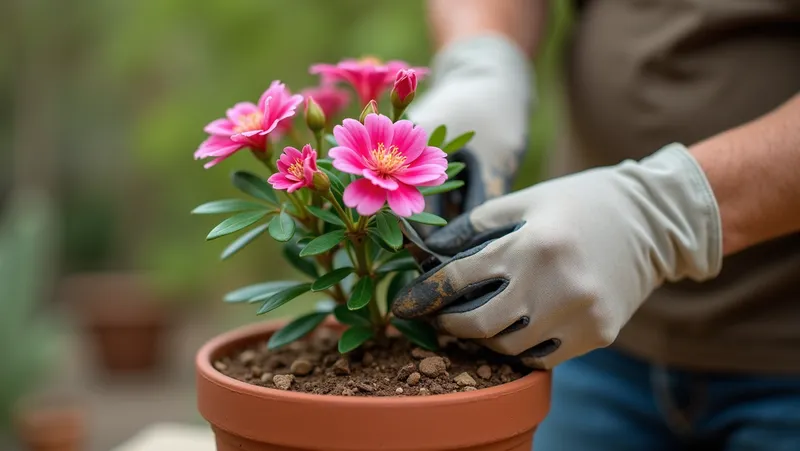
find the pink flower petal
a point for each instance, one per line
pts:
(295, 187)
(364, 196)
(387, 183)
(417, 174)
(354, 135)
(346, 160)
(279, 181)
(409, 139)
(436, 182)
(216, 146)
(432, 155)
(223, 127)
(406, 200)
(380, 130)
(241, 109)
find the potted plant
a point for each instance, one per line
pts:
(348, 376)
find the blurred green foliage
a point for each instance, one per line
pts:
(134, 82)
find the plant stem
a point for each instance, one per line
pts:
(364, 270)
(348, 221)
(319, 143)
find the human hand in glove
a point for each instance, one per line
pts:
(555, 270)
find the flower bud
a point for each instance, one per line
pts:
(372, 107)
(321, 182)
(405, 87)
(315, 117)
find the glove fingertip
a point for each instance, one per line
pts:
(452, 238)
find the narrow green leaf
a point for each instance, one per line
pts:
(449, 185)
(331, 140)
(373, 235)
(281, 297)
(406, 263)
(361, 295)
(325, 163)
(332, 278)
(351, 317)
(326, 215)
(254, 185)
(259, 289)
(323, 243)
(398, 282)
(388, 229)
(427, 218)
(354, 337)
(291, 252)
(282, 227)
(243, 241)
(454, 168)
(437, 137)
(227, 206)
(235, 223)
(298, 328)
(458, 142)
(420, 333)
(336, 183)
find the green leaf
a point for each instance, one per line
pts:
(361, 295)
(227, 206)
(281, 297)
(282, 227)
(351, 317)
(454, 168)
(458, 142)
(243, 241)
(296, 329)
(373, 235)
(437, 137)
(354, 337)
(331, 140)
(406, 263)
(336, 183)
(420, 333)
(326, 215)
(427, 218)
(235, 223)
(332, 278)
(323, 243)
(388, 229)
(449, 185)
(291, 252)
(398, 282)
(325, 163)
(254, 185)
(259, 289)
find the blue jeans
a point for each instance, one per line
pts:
(606, 400)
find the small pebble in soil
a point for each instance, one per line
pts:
(419, 353)
(468, 388)
(424, 391)
(484, 372)
(367, 359)
(447, 362)
(505, 370)
(267, 377)
(220, 366)
(399, 390)
(341, 367)
(405, 371)
(347, 392)
(301, 367)
(256, 370)
(365, 387)
(247, 357)
(432, 366)
(283, 381)
(465, 380)
(413, 378)
(437, 389)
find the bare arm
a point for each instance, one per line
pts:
(523, 21)
(754, 171)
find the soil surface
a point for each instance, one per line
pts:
(393, 368)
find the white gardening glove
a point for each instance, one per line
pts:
(484, 84)
(555, 270)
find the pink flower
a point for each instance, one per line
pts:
(247, 125)
(295, 169)
(393, 158)
(405, 83)
(331, 99)
(368, 76)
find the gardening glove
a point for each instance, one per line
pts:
(483, 84)
(555, 270)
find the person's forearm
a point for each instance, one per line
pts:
(754, 171)
(522, 21)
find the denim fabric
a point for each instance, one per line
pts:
(606, 400)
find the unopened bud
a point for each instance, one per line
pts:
(405, 87)
(371, 108)
(315, 117)
(321, 182)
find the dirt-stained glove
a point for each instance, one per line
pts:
(555, 270)
(482, 83)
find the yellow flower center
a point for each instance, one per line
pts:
(370, 61)
(296, 169)
(249, 122)
(386, 161)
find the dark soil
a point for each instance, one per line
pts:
(394, 368)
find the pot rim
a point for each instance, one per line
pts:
(247, 333)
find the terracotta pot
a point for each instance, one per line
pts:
(55, 428)
(246, 417)
(125, 323)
